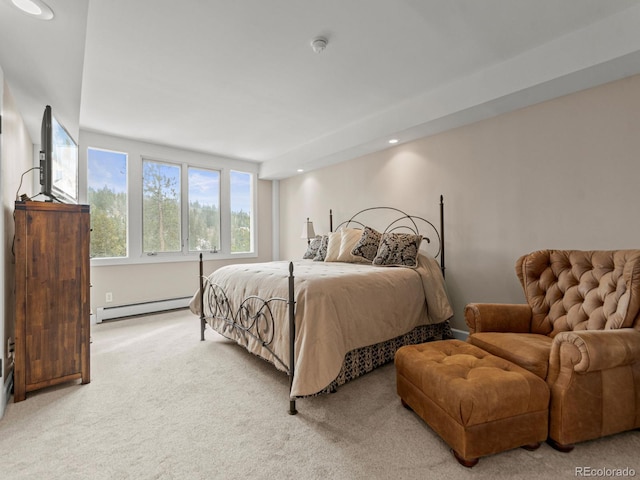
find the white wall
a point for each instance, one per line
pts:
(16, 157)
(3, 261)
(560, 174)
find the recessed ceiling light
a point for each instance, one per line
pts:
(300, 170)
(34, 8)
(393, 140)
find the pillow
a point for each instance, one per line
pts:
(348, 241)
(367, 245)
(398, 249)
(312, 248)
(322, 249)
(333, 247)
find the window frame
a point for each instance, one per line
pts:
(136, 152)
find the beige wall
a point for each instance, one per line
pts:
(16, 158)
(560, 174)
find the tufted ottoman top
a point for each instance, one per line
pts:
(469, 384)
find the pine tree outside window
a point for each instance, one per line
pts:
(241, 212)
(161, 206)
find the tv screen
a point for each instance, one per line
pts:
(58, 160)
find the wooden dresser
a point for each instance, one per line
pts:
(52, 295)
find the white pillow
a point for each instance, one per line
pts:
(348, 241)
(333, 247)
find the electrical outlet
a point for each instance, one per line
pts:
(108, 297)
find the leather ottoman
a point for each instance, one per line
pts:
(478, 403)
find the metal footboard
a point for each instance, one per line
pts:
(252, 318)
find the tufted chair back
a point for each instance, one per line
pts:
(581, 290)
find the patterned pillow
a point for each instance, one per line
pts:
(398, 249)
(367, 246)
(322, 249)
(312, 248)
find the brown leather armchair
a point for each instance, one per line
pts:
(579, 331)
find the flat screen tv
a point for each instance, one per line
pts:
(58, 161)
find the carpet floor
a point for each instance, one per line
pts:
(164, 405)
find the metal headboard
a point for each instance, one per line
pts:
(404, 222)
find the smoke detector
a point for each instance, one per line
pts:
(319, 44)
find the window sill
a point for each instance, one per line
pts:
(170, 258)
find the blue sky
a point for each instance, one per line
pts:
(240, 191)
(107, 168)
(204, 186)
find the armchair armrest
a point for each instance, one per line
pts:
(593, 350)
(498, 317)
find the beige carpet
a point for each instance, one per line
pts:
(163, 405)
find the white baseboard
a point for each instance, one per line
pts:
(460, 334)
(109, 313)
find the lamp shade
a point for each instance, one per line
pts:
(307, 230)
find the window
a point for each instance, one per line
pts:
(204, 209)
(161, 207)
(241, 212)
(155, 204)
(107, 196)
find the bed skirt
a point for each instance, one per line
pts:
(366, 359)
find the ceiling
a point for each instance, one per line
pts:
(239, 79)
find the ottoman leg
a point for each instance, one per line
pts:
(463, 461)
(532, 446)
(564, 448)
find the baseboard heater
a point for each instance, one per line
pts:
(109, 313)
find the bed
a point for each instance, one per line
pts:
(359, 295)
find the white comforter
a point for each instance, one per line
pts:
(339, 307)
